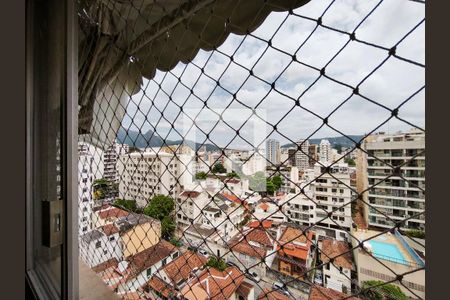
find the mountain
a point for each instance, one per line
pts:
(339, 140)
(151, 139)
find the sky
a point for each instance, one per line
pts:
(390, 85)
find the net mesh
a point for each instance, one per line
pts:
(204, 167)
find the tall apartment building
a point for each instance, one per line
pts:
(402, 195)
(301, 155)
(291, 156)
(90, 167)
(110, 157)
(325, 151)
(146, 174)
(273, 151)
(331, 191)
(313, 154)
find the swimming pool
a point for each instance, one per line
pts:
(387, 251)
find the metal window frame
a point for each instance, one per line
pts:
(37, 279)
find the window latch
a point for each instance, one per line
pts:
(52, 223)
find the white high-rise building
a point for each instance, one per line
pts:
(301, 155)
(110, 157)
(401, 196)
(325, 151)
(90, 167)
(273, 151)
(153, 172)
(331, 191)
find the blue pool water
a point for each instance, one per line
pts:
(387, 251)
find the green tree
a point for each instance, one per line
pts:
(127, 204)
(161, 207)
(216, 263)
(257, 182)
(415, 233)
(350, 161)
(200, 176)
(167, 226)
(277, 182)
(100, 188)
(176, 242)
(270, 187)
(219, 168)
(382, 291)
(233, 174)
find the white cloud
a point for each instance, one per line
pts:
(389, 85)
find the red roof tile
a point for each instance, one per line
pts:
(110, 229)
(332, 248)
(113, 213)
(190, 194)
(218, 285)
(264, 224)
(181, 267)
(269, 294)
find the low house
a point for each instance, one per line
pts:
(138, 233)
(269, 294)
(205, 237)
(96, 247)
(171, 278)
(295, 251)
(143, 265)
(337, 275)
(252, 250)
(107, 214)
(134, 272)
(218, 285)
(321, 293)
(268, 210)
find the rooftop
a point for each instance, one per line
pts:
(92, 236)
(332, 248)
(269, 294)
(215, 284)
(147, 258)
(181, 267)
(320, 293)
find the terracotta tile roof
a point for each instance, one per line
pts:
(147, 258)
(190, 194)
(288, 243)
(160, 286)
(264, 206)
(110, 229)
(333, 248)
(113, 262)
(264, 224)
(269, 294)
(181, 267)
(217, 285)
(259, 235)
(244, 247)
(320, 293)
(292, 234)
(113, 212)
